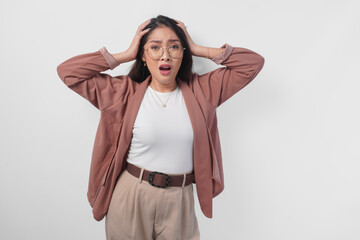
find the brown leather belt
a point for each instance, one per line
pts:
(159, 179)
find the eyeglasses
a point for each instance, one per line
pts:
(155, 52)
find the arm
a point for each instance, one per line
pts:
(242, 66)
(207, 52)
(82, 74)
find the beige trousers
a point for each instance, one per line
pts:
(141, 211)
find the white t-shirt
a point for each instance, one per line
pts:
(162, 136)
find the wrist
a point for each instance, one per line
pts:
(201, 51)
(123, 57)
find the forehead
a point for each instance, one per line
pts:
(162, 34)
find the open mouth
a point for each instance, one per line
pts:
(165, 70)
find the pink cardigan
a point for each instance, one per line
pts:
(118, 98)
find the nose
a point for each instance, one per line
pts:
(165, 55)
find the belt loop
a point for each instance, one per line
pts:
(141, 175)
(184, 179)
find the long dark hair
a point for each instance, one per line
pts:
(139, 72)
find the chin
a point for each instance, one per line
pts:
(166, 79)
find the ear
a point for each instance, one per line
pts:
(143, 58)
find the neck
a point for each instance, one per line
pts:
(161, 87)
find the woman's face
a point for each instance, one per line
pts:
(162, 37)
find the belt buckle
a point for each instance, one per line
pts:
(151, 179)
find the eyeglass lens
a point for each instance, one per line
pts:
(175, 51)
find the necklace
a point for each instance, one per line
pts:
(163, 104)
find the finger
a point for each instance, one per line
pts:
(182, 25)
(177, 21)
(142, 32)
(142, 26)
(146, 22)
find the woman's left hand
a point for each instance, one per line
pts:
(192, 45)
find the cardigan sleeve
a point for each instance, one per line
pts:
(82, 74)
(241, 67)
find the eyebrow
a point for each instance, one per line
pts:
(170, 40)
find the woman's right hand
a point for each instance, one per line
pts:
(134, 47)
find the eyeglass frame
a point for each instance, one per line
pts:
(163, 50)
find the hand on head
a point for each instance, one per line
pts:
(134, 47)
(192, 45)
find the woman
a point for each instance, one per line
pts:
(158, 129)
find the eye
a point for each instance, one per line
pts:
(175, 46)
(154, 47)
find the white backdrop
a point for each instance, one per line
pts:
(290, 139)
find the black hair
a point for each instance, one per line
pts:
(139, 72)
